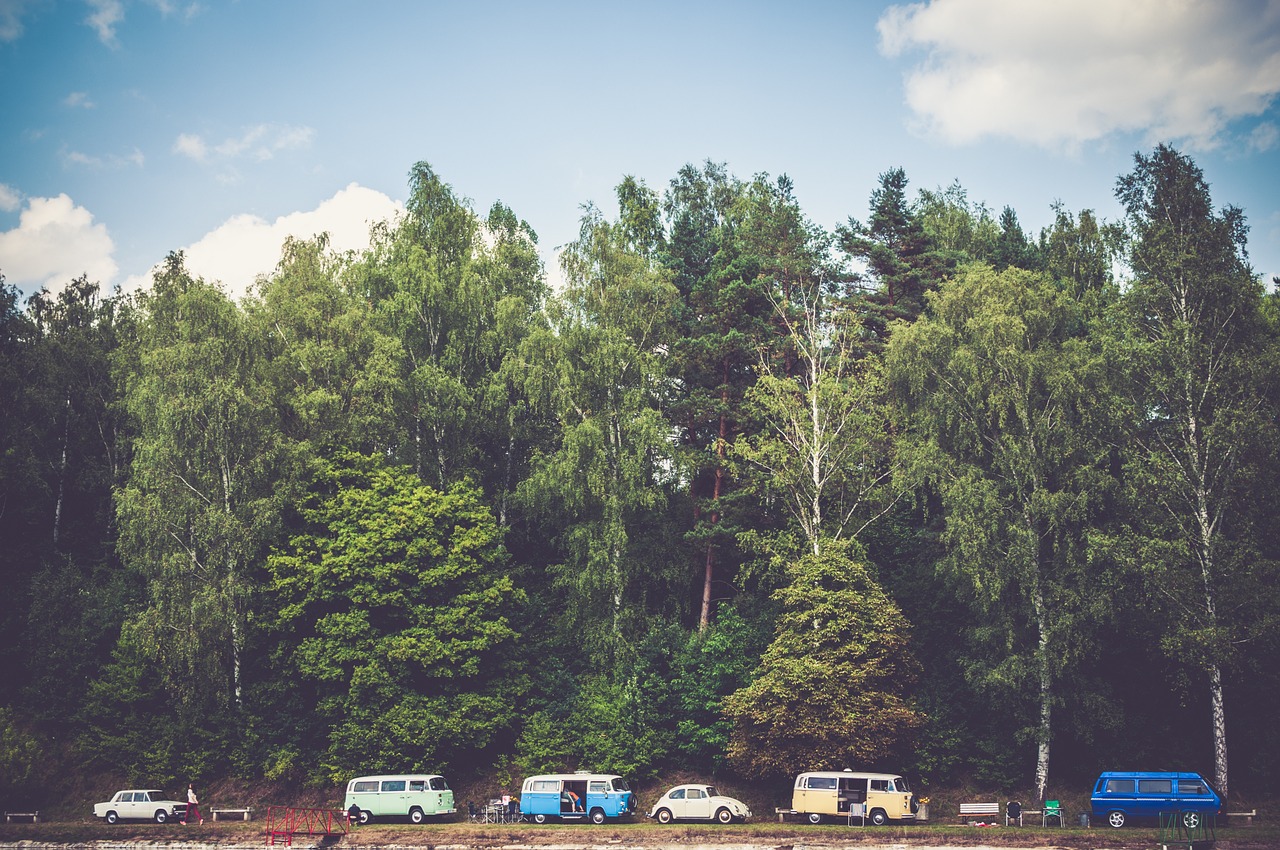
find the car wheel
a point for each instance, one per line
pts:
(724, 816)
(539, 818)
(1116, 819)
(879, 818)
(160, 816)
(366, 817)
(416, 815)
(664, 816)
(814, 817)
(1191, 820)
(597, 816)
(112, 817)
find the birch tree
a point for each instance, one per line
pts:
(998, 388)
(1200, 368)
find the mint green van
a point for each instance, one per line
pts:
(415, 796)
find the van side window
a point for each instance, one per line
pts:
(417, 785)
(438, 784)
(1119, 786)
(393, 785)
(879, 785)
(366, 787)
(596, 787)
(822, 783)
(1155, 786)
(546, 785)
(1191, 786)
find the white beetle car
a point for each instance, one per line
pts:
(698, 802)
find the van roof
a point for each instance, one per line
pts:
(382, 776)
(861, 773)
(582, 774)
(1150, 774)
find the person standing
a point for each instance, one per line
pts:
(193, 804)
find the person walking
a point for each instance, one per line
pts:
(193, 804)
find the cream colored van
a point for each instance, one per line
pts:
(830, 794)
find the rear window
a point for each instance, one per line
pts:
(1119, 786)
(1191, 786)
(1155, 786)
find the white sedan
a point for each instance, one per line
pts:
(140, 805)
(698, 802)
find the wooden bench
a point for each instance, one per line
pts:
(34, 817)
(1243, 817)
(972, 812)
(232, 814)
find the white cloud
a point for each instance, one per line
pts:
(259, 144)
(55, 241)
(113, 161)
(11, 12)
(103, 19)
(1060, 74)
(78, 100)
(10, 198)
(191, 145)
(1264, 137)
(246, 246)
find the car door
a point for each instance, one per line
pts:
(137, 805)
(697, 804)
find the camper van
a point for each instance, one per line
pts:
(1120, 797)
(415, 796)
(576, 796)
(879, 797)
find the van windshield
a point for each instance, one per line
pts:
(621, 785)
(901, 782)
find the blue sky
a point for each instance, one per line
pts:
(130, 128)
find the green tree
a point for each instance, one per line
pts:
(392, 605)
(598, 371)
(829, 691)
(198, 506)
(1201, 365)
(1003, 402)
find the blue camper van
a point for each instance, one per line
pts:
(576, 796)
(1119, 797)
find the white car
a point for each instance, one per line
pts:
(698, 802)
(147, 804)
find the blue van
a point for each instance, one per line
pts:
(576, 796)
(1121, 796)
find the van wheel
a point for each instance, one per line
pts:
(365, 817)
(597, 816)
(814, 817)
(539, 818)
(1116, 819)
(416, 815)
(724, 816)
(112, 817)
(664, 816)
(1191, 820)
(879, 818)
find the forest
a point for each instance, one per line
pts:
(741, 496)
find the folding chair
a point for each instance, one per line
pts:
(1052, 809)
(1013, 813)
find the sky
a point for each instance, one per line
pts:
(133, 128)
